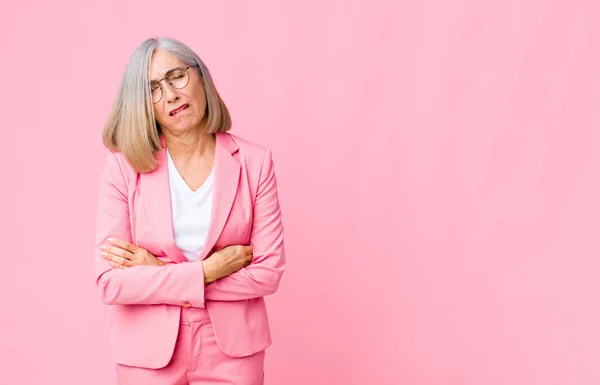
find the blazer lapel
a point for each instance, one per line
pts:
(157, 202)
(227, 177)
(157, 197)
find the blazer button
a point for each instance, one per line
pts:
(187, 304)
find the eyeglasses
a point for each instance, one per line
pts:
(177, 77)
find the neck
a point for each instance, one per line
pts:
(187, 146)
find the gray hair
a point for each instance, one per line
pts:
(131, 127)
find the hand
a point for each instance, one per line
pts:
(121, 254)
(226, 261)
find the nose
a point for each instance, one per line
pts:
(169, 93)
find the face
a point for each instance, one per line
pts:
(193, 116)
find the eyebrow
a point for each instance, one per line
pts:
(166, 73)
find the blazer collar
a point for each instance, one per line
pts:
(156, 189)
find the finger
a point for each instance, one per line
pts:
(122, 244)
(116, 265)
(117, 251)
(248, 249)
(116, 259)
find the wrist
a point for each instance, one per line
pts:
(154, 260)
(210, 271)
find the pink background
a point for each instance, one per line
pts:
(438, 164)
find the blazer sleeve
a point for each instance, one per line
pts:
(262, 276)
(172, 284)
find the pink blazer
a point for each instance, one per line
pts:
(147, 300)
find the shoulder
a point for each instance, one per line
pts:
(251, 152)
(248, 148)
(117, 166)
(257, 158)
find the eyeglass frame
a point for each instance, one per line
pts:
(166, 76)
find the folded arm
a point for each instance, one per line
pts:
(173, 284)
(262, 276)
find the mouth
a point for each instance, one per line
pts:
(179, 109)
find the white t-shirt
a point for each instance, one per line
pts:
(191, 212)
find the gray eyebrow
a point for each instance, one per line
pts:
(166, 73)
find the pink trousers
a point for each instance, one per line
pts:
(197, 360)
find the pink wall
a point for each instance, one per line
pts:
(439, 171)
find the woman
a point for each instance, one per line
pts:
(189, 233)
